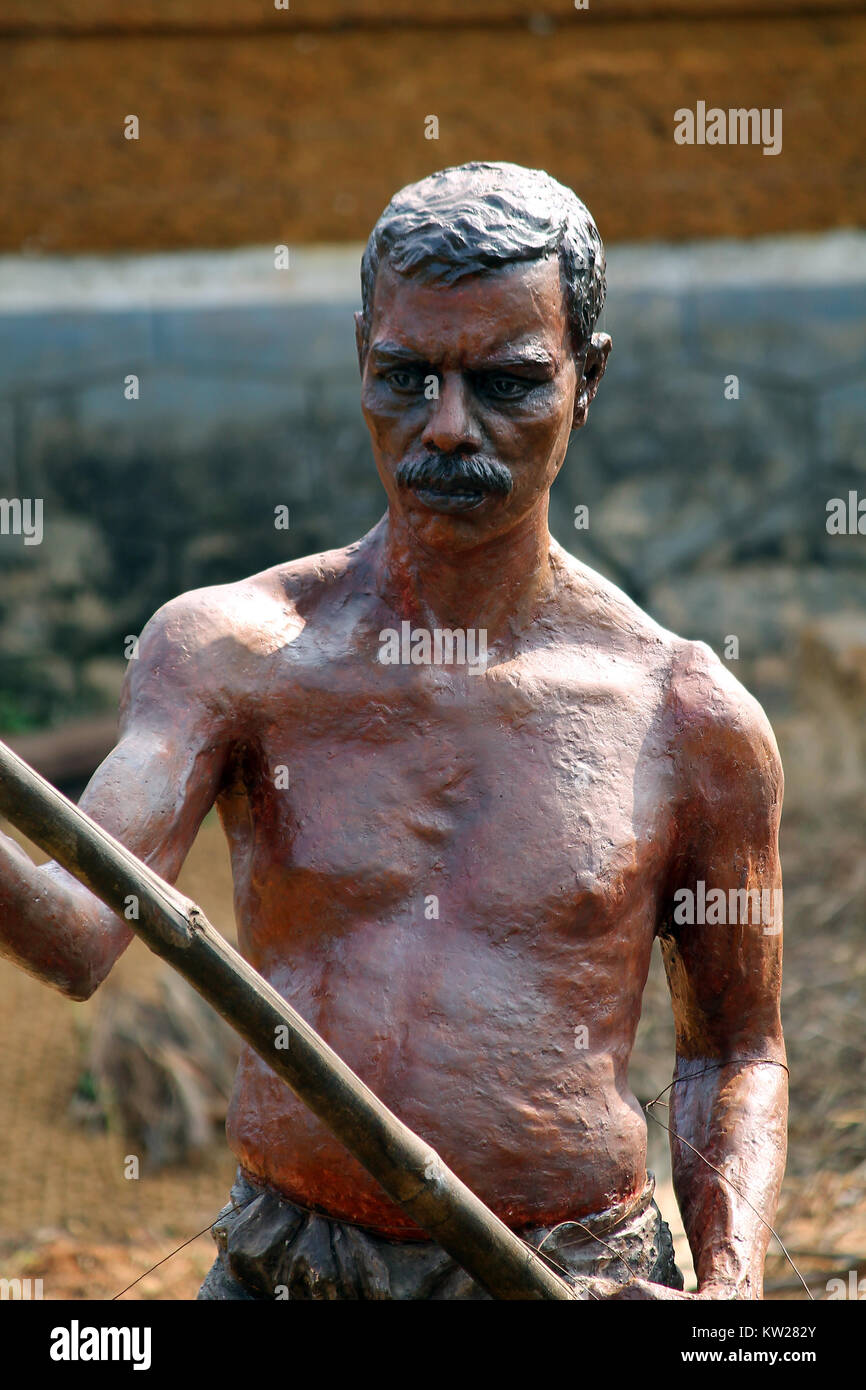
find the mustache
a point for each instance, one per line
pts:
(456, 472)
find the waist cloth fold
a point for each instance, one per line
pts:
(270, 1248)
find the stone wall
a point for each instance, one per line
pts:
(259, 125)
(710, 511)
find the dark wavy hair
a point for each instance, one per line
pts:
(475, 217)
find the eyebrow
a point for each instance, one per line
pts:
(531, 355)
(394, 352)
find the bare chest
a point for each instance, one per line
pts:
(521, 795)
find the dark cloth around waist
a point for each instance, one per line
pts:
(269, 1248)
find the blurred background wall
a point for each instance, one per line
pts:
(732, 413)
(304, 121)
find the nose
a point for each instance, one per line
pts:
(451, 427)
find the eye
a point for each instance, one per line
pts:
(506, 388)
(402, 379)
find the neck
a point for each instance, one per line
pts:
(497, 586)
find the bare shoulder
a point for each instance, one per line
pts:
(723, 741)
(212, 625)
(215, 639)
(253, 612)
(600, 611)
(717, 733)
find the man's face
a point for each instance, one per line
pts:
(469, 391)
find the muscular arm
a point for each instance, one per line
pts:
(152, 793)
(725, 979)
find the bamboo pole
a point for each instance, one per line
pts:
(172, 926)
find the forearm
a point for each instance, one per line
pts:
(735, 1116)
(53, 927)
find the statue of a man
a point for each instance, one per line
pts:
(466, 783)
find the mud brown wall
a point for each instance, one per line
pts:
(266, 126)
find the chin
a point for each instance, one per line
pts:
(456, 531)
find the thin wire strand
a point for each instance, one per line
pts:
(174, 1252)
(717, 1066)
(761, 1061)
(750, 1062)
(570, 1275)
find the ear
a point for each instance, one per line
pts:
(359, 339)
(593, 371)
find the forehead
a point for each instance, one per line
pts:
(481, 314)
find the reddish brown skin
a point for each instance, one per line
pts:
(553, 804)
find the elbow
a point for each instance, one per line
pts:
(79, 990)
(80, 979)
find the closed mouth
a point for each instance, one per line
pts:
(449, 497)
